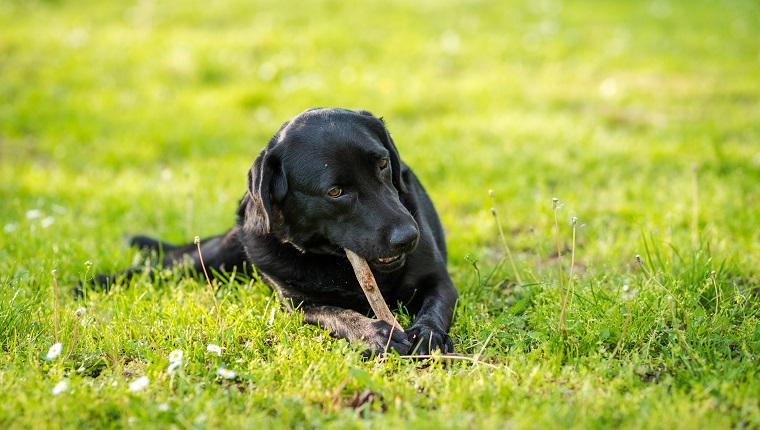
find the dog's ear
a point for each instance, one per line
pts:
(377, 125)
(267, 185)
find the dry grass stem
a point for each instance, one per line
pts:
(451, 357)
(717, 295)
(197, 242)
(503, 238)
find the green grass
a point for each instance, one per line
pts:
(144, 117)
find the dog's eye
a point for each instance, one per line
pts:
(335, 192)
(382, 164)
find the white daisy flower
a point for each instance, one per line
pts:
(214, 349)
(176, 356)
(139, 384)
(60, 387)
(47, 222)
(226, 373)
(80, 312)
(174, 365)
(54, 351)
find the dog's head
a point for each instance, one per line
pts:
(330, 179)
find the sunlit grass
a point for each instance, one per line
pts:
(122, 118)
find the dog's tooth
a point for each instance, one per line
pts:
(388, 259)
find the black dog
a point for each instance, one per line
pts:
(332, 179)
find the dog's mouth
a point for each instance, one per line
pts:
(388, 264)
(388, 260)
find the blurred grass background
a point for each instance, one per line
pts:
(605, 105)
(144, 117)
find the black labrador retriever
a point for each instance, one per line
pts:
(332, 179)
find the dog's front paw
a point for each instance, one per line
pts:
(427, 339)
(384, 338)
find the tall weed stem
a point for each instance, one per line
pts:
(211, 291)
(556, 205)
(569, 285)
(56, 304)
(503, 238)
(717, 295)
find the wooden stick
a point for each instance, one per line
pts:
(368, 284)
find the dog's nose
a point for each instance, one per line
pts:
(403, 238)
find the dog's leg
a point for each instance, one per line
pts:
(145, 243)
(220, 253)
(431, 326)
(353, 326)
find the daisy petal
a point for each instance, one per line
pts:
(226, 373)
(61, 387)
(54, 351)
(139, 384)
